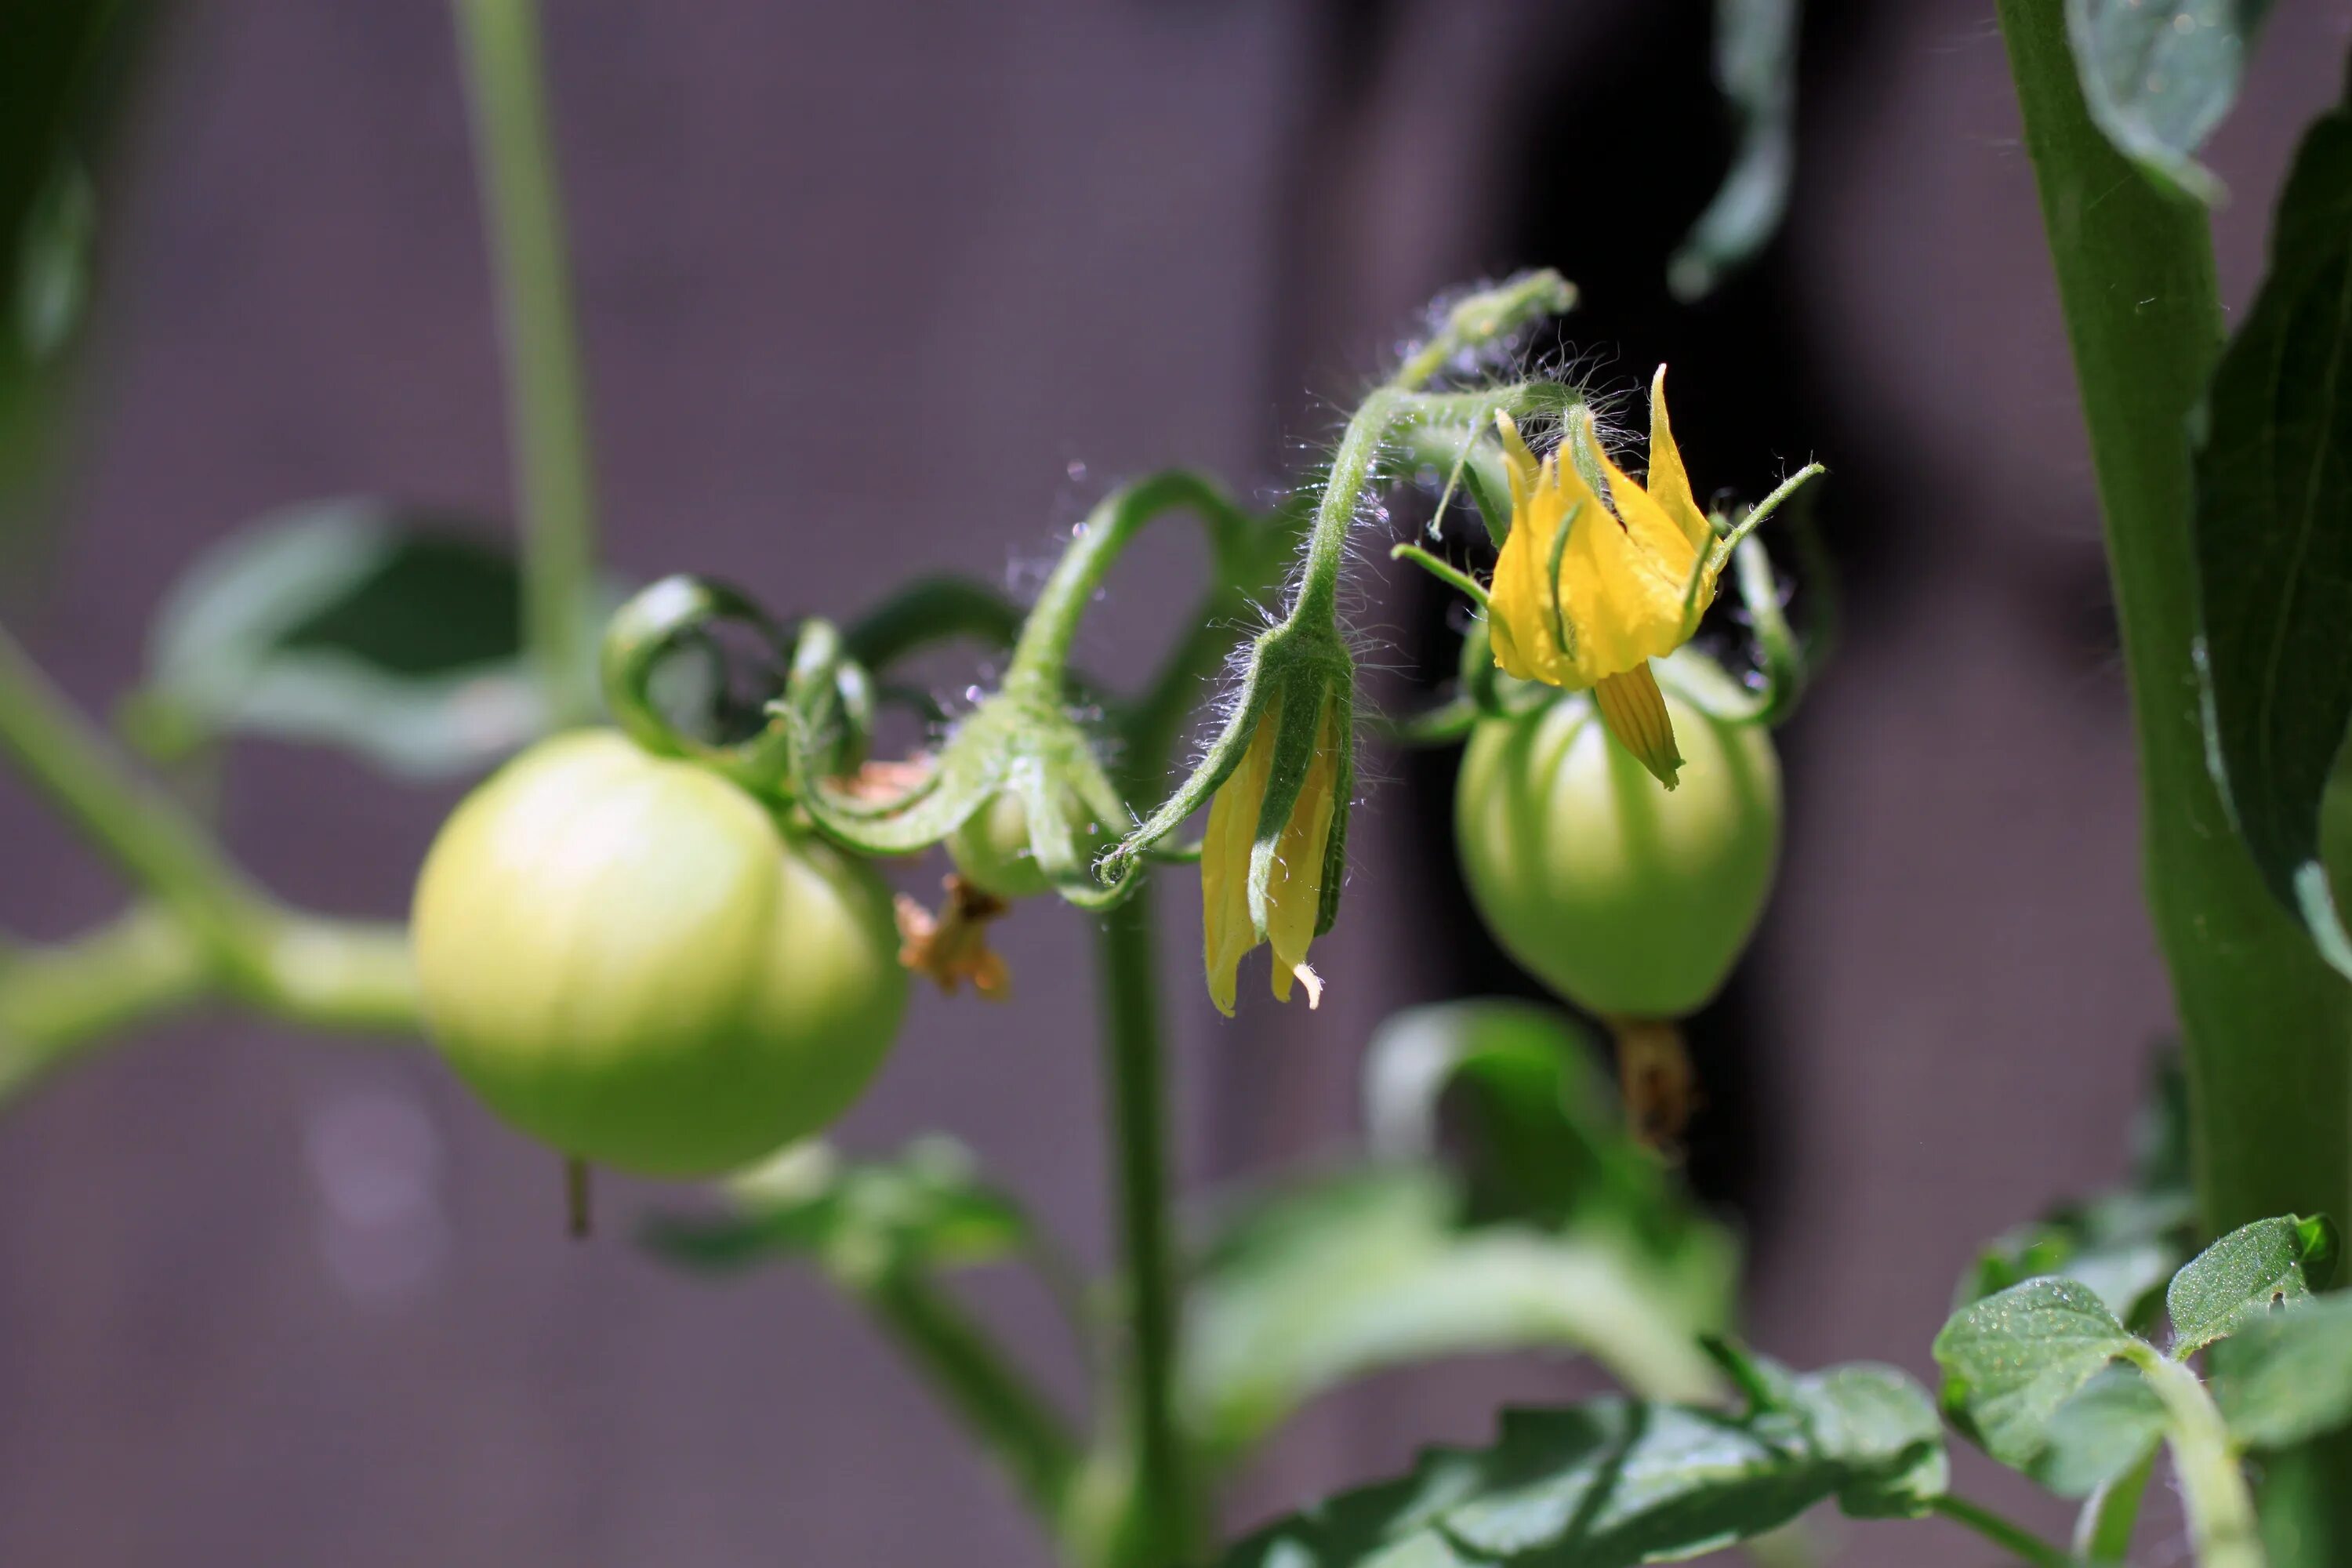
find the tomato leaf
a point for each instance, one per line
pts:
(925, 1209)
(2287, 1378)
(2274, 534)
(1515, 1094)
(62, 77)
(2013, 1359)
(1614, 1482)
(1373, 1268)
(1756, 69)
(386, 632)
(2243, 1275)
(2103, 1430)
(2158, 75)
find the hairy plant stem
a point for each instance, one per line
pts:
(1042, 655)
(2213, 1491)
(547, 404)
(2266, 1025)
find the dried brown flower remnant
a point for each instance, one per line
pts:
(951, 947)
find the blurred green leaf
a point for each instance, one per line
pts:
(1756, 69)
(2286, 1378)
(61, 77)
(53, 269)
(2158, 75)
(2013, 1359)
(2274, 538)
(2244, 1275)
(1514, 1093)
(2110, 1424)
(1613, 1483)
(354, 624)
(1372, 1268)
(866, 1219)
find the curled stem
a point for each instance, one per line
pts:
(1040, 657)
(928, 611)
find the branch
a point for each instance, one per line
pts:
(203, 929)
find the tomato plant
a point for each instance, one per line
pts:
(668, 946)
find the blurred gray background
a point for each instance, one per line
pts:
(870, 287)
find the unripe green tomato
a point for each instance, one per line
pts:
(991, 851)
(625, 956)
(1630, 900)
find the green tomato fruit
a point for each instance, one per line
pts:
(1630, 900)
(625, 956)
(990, 849)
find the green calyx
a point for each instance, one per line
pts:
(1019, 790)
(1015, 756)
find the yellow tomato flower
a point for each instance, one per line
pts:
(1586, 594)
(1294, 891)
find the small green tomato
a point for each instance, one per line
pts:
(625, 956)
(1630, 900)
(991, 848)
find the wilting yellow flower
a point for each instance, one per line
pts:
(1293, 889)
(1585, 595)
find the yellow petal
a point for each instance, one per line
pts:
(1526, 625)
(1667, 483)
(1660, 545)
(1519, 463)
(1295, 892)
(1623, 587)
(1518, 602)
(1227, 931)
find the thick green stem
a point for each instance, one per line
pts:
(2268, 1026)
(2014, 1539)
(547, 407)
(995, 1403)
(1167, 1528)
